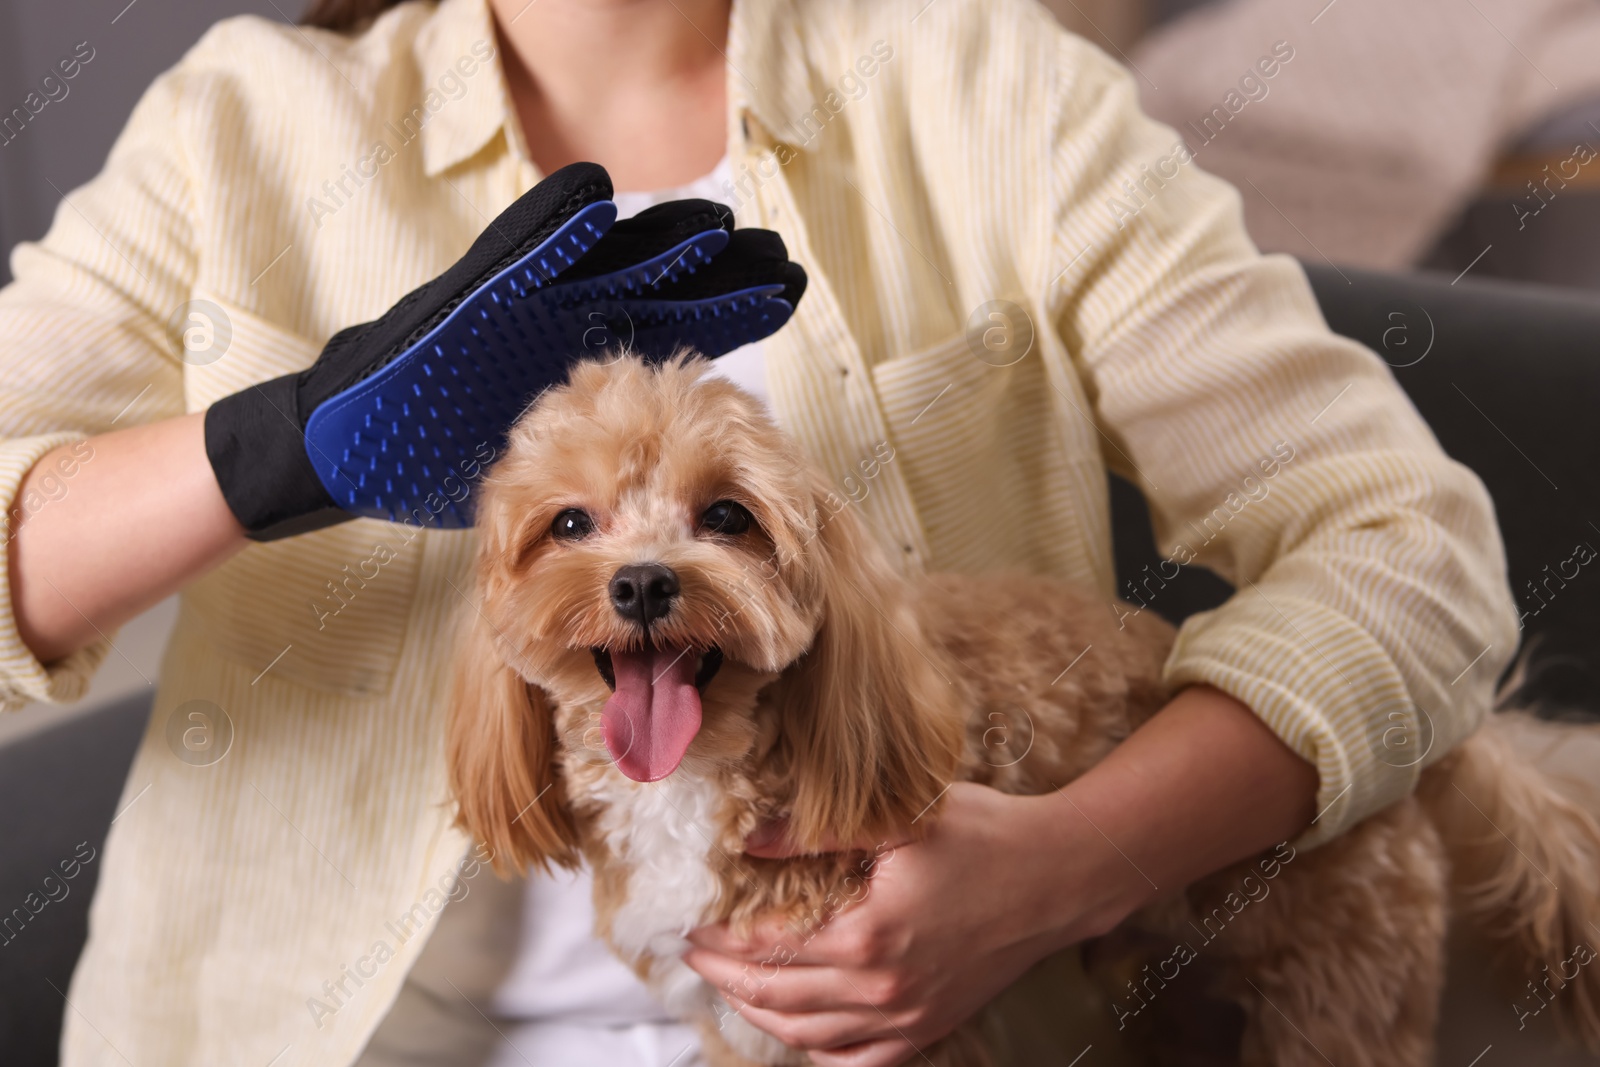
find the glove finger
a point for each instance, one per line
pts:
(650, 233)
(681, 300)
(713, 326)
(753, 258)
(710, 325)
(531, 220)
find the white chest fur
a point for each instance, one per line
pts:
(665, 834)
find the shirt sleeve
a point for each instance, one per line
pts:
(86, 346)
(1372, 614)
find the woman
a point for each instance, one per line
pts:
(942, 171)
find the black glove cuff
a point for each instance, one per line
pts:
(258, 453)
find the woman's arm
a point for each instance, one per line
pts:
(99, 490)
(1372, 613)
(1002, 881)
(138, 516)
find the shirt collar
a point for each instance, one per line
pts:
(769, 79)
(460, 111)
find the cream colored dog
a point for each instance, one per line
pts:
(678, 641)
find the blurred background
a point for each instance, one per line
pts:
(1437, 159)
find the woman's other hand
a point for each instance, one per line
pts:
(948, 922)
(999, 882)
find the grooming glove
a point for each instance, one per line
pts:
(397, 417)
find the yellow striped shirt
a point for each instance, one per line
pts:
(932, 166)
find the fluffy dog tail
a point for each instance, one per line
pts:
(1525, 867)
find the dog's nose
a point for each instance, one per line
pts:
(643, 592)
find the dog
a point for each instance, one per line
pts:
(681, 635)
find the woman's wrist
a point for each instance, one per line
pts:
(1079, 885)
(135, 516)
(1203, 784)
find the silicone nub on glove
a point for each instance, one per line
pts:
(398, 417)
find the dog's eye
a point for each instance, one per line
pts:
(572, 525)
(726, 517)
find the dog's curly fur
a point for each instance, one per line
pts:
(850, 697)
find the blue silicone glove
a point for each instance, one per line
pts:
(397, 417)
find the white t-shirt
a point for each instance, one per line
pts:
(573, 1002)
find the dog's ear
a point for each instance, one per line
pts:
(871, 722)
(501, 748)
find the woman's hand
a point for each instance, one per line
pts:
(380, 424)
(948, 922)
(999, 882)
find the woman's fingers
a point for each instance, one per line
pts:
(886, 1052)
(819, 1029)
(770, 940)
(796, 987)
(858, 941)
(857, 1038)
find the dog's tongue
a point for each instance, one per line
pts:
(654, 713)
